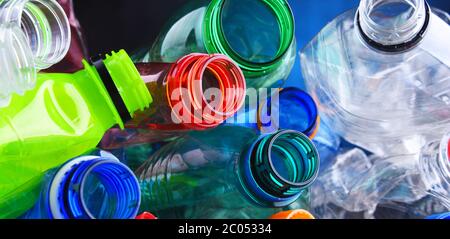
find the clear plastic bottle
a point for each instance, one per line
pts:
(34, 35)
(197, 92)
(228, 172)
(96, 186)
(379, 74)
(415, 184)
(257, 35)
(64, 116)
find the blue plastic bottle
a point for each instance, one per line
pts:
(288, 108)
(88, 187)
(445, 216)
(228, 172)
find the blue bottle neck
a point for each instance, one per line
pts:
(288, 108)
(277, 168)
(91, 187)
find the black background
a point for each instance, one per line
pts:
(123, 24)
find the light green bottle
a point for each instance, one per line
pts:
(64, 116)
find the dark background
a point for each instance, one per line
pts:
(129, 24)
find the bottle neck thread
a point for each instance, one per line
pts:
(392, 25)
(93, 187)
(204, 90)
(45, 26)
(278, 167)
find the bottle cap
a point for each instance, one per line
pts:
(146, 216)
(293, 214)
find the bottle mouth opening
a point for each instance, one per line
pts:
(199, 107)
(291, 109)
(45, 26)
(18, 73)
(95, 188)
(262, 41)
(281, 166)
(393, 25)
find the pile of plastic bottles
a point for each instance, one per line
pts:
(200, 125)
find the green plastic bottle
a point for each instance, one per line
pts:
(64, 116)
(257, 34)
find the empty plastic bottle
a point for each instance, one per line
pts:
(228, 172)
(288, 108)
(380, 75)
(34, 35)
(62, 117)
(358, 183)
(88, 187)
(257, 35)
(196, 92)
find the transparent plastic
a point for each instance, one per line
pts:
(61, 118)
(387, 92)
(96, 186)
(33, 34)
(257, 35)
(197, 92)
(228, 172)
(415, 185)
(287, 108)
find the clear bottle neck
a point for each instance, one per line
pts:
(94, 187)
(392, 25)
(434, 166)
(45, 26)
(278, 167)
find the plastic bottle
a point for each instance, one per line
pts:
(381, 72)
(358, 183)
(62, 117)
(78, 46)
(228, 172)
(88, 187)
(34, 35)
(288, 108)
(257, 35)
(196, 92)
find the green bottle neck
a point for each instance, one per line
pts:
(116, 83)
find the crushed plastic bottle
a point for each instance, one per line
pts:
(416, 185)
(380, 75)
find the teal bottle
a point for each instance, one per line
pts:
(228, 172)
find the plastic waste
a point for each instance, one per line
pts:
(287, 108)
(197, 92)
(416, 185)
(88, 187)
(228, 172)
(34, 35)
(293, 214)
(381, 72)
(257, 35)
(62, 117)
